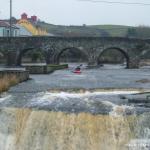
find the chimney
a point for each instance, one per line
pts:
(34, 18)
(24, 16)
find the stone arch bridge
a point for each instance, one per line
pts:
(92, 47)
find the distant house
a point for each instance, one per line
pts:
(25, 26)
(30, 25)
(23, 32)
(5, 29)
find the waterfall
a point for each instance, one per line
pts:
(27, 129)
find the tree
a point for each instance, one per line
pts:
(35, 56)
(143, 32)
(131, 32)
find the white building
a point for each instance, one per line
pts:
(23, 32)
(5, 29)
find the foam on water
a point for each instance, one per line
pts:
(139, 144)
(4, 98)
(48, 98)
(120, 110)
(87, 93)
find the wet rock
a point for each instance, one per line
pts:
(123, 97)
(143, 81)
(139, 100)
(99, 107)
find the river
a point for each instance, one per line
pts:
(65, 111)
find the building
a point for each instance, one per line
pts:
(25, 26)
(5, 29)
(30, 25)
(23, 32)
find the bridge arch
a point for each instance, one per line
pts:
(123, 52)
(71, 49)
(22, 53)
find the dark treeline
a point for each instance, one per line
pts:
(139, 32)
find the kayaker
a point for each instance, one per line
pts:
(78, 68)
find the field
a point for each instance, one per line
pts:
(85, 30)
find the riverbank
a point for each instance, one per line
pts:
(9, 78)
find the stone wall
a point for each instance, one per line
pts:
(20, 74)
(44, 69)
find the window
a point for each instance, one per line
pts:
(15, 32)
(3, 32)
(8, 33)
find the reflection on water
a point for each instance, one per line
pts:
(112, 66)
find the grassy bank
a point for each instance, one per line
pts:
(7, 81)
(57, 67)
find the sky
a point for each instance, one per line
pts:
(75, 12)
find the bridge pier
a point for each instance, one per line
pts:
(11, 58)
(133, 64)
(50, 57)
(49, 60)
(92, 63)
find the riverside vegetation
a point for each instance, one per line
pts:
(7, 81)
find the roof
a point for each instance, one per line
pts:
(4, 24)
(24, 14)
(15, 26)
(7, 25)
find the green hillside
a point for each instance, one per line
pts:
(113, 30)
(97, 30)
(73, 30)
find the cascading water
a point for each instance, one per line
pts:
(69, 128)
(25, 129)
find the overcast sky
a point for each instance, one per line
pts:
(74, 12)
